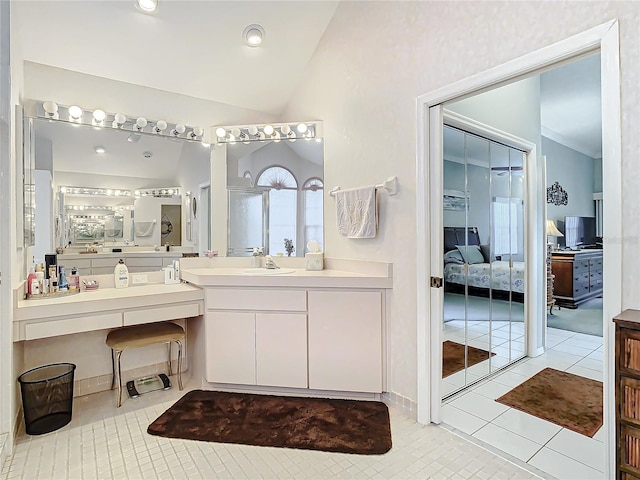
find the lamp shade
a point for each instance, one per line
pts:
(552, 230)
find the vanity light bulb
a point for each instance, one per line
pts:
(253, 130)
(75, 112)
(63, 189)
(235, 132)
(141, 122)
(51, 109)
(268, 130)
(221, 132)
(262, 136)
(99, 116)
(285, 129)
(196, 132)
(276, 137)
(118, 120)
(179, 130)
(147, 5)
(100, 149)
(302, 127)
(160, 126)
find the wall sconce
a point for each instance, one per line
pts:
(557, 195)
(253, 133)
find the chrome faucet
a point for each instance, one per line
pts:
(269, 263)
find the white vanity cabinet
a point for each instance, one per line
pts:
(256, 337)
(345, 340)
(320, 339)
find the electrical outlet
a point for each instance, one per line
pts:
(139, 278)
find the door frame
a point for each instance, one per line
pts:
(604, 38)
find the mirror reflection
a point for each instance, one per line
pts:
(111, 188)
(275, 196)
(483, 258)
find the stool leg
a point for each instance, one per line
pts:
(119, 403)
(113, 369)
(179, 364)
(169, 363)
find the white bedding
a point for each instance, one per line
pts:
(496, 275)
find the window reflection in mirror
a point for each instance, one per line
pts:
(112, 162)
(275, 194)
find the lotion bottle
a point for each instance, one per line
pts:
(121, 275)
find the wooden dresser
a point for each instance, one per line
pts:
(578, 276)
(550, 278)
(628, 395)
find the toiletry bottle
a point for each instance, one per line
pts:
(121, 275)
(73, 280)
(31, 279)
(40, 277)
(63, 285)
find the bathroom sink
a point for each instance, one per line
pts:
(268, 271)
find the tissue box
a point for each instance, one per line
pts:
(314, 261)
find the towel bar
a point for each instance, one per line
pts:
(390, 185)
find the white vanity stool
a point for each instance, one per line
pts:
(138, 336)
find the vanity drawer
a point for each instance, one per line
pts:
(155, 262)
(256, 299)
(68, 263)
(67, 326)
(161, 314)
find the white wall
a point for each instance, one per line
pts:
(374, 60)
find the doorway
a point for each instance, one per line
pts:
(429, 194)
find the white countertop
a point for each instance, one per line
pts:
(106, 299)
(244, 277)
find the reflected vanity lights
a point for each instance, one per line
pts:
(256, 133)
(95, 191)
(101, 119)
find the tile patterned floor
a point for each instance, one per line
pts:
(103, 442)
(550, 448)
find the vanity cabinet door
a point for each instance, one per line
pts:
(345, 341)
(281, 349)
(231, 347)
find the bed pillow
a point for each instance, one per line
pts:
(486, 253)
(471, 253)
(453, 256)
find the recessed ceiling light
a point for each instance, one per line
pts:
(147, 6)
(253, 35)
(100, 149)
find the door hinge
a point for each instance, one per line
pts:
(436, 282)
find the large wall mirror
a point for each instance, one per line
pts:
(274, 196)
(109, 187)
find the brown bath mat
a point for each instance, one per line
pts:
(563, 398)
(453, 357)
(346, 426)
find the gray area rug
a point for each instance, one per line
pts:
(587, 318)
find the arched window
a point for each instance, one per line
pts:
(313, 211)
(283, 199)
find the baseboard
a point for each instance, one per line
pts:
(405, 405)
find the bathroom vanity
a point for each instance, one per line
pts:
(320, 330)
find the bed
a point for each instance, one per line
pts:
(467, 262)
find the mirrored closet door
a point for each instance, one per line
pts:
(483, 324)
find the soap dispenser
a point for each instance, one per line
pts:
(121, 275)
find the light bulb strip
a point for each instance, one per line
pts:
(157, 192)
(258, 133)
(100, 119)
(109, 192)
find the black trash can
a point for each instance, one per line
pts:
(47, 397)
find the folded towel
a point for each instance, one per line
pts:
(144, 229)
(357, 213)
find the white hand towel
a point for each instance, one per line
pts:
(357, 213)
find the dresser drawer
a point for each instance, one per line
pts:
(67, 326)
(160, 314)
(256, 299)
(580, 266)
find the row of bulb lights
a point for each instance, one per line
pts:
(117, 208)
(99, 118)
(164, 192)
(254, 133)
